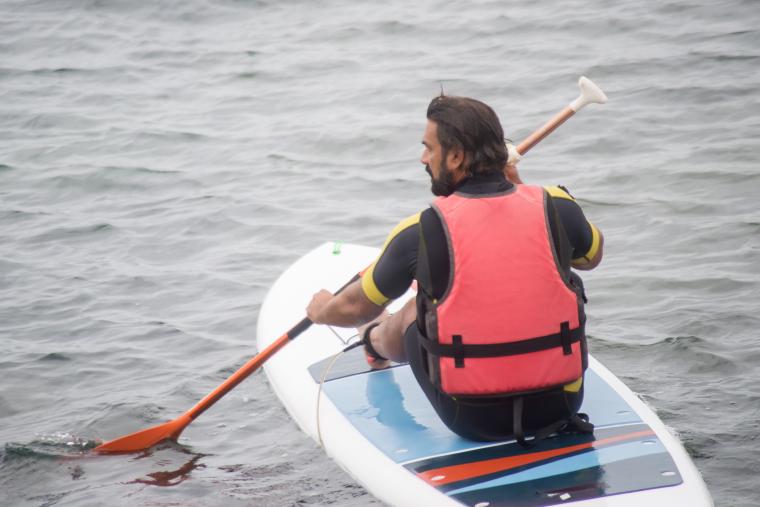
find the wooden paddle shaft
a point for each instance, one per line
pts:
(590, 94)
(548, 127)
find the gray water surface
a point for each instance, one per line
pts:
(161, 163)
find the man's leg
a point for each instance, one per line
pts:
(388, 338)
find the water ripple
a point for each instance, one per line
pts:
(162, 163)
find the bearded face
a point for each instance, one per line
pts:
(443, 180)
(444, 185)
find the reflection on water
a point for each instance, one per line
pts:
(172, 477)
(176, 465)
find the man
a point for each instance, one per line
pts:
(495, 335)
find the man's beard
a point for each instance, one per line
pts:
(444, 185)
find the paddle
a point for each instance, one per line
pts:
(171, 430)
(590, 94)
(138, 441)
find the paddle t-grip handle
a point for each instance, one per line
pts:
(590, 94)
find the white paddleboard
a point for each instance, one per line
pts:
(381, 429)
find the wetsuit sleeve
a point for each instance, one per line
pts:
(582, 234)
(393, 271)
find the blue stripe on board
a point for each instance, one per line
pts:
(514, 449)
(589, 459)
(626, 476)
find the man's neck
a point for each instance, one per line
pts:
(489, 183)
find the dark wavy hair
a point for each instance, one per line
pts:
(473, 127)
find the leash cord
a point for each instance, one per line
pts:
(325, 372)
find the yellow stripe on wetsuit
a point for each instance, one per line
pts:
(595, 241)
(573, 387)
(368, 280)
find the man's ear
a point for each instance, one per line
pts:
(456, 162)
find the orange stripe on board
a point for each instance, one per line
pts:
(455, 473)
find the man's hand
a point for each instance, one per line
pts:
(350, 308)
(317, 304)
(510, 170)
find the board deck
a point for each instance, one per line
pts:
(379, 426)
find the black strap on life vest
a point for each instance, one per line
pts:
(576, 423)
(459, 350)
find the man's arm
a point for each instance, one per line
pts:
(587, 263)
(386, 279)
(350, 308)
(586, 239)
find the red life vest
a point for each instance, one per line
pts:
(509, 321)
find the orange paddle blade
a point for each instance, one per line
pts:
(144, 439)
(170, 431)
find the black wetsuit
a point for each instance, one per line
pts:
(395, 269)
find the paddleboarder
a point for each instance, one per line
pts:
(495, 336)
